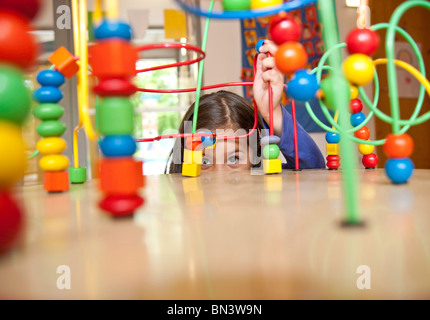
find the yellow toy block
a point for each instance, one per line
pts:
(272, 166)
(332, 149)
(191, 156)
(191, 169)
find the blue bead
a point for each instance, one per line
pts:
(113, 29)
(357, 119)
(208, 141)
(331, 137)
(270, 140)
(399, 170)
(303, 86)
(118, 146)
(50, 78)
(259, 44)
(47, 94)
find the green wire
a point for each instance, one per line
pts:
(201, 65)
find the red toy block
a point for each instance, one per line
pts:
(115, 87)
(120, 176)
(64, 62)
(121, 205)
(56, 181)
(113, 59)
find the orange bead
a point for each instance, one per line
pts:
(363, 133)
(121, 175)
(65, 62)
(290, 57)
(398, 145)
(56, 181)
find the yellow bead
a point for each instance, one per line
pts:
(332, 149)
(366, 149)
(258, 4)
(354, 92)
(191, 170)
(358, 69)
(53, 145)
(191, 156)
(54, 162)
(272, 166)
(12, 154)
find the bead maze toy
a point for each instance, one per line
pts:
(18, 52)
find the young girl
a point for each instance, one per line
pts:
(226, 113)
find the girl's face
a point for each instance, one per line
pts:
(230, 154)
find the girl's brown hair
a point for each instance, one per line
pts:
(218, 110)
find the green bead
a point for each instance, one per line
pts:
(48, 111)
(271, 151)
(78, 175)
(236, 5)
(15, 98)
(51, 128)
(332, 90)
(115, 116)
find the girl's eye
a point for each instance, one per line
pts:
(233, 160)
(206, 162)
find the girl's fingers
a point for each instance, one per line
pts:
(269, 46)
(271, 75)
(269, 63)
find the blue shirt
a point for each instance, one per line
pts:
(310, 156)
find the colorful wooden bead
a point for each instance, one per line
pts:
(116, 116)
(358, 69)
(121, 175)
(331, 89)
(332, 137)
(12, 154)
(332, 149)
(11, 222)
(259, 4)
(333, 162)
(259, 44)
(191, 169)
(119, 205)
(236, 5)
(64, 62)
(51, 128)
(366, 149)
(77, 175)
(115, 87)
(357, 118)
(47, 95)
(48, 111)
(118, 146)
(363, 41)
(193, 156)
(283, 28)
(208, 141)
(398, 145)
(370, 161)
(363, 133)
(15, 99)
(52, 78)
(290, 57)
(354, 92)
(113, 29)
(399, 170)
(18, 45)
(270, 140)
(27, 8)
(271, 151)
(272, 166)
(56, 181)
(193, 143)
(303, 86)
(355, 106)
(113, 59)
(54, 162)
(51, 145)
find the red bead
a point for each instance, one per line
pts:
(333, 162)
(364, 41)
(363, 133)
(10, 221)
(121, 205)
(18, 45)
(290, 57)
(355, 106)
(398, 146)
(283, 29)
(115, 87)
(370, 161)
(27, 8)
(193, 143)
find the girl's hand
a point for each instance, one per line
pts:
(268, 73)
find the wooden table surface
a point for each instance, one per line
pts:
(231, 235)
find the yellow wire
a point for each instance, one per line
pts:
(410, 69)
(97, 15)
(112, 9)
